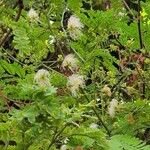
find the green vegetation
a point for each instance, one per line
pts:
(74, 75)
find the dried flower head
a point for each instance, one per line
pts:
(74, 27)
(71, 62)
(42, 78)
(106, 90)
(112, 108)
(75, 82)
(33, 15)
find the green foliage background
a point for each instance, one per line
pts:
(34, 118)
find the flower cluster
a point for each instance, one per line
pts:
(112, 108)
(71, 62)
(33, 15)
(42, 78)
(75, 82)
(74, 27)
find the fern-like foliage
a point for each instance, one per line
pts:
(88, 138)
(126, 142)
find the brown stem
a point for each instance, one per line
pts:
(128, 8)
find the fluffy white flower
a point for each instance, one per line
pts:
(33, 15)
(71, 62)
(63, 147)
(74, 27)
(42, 78)
(94, 126)
(74, 22)
(75, 82)
(112, 108)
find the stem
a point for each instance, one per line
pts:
(114, 88)
(128, 8)
(99, 118)
(139, 26)
(56, 136)
(141, 44)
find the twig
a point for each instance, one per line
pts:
(99, 118)
(139, 26)
(114, 88)
(127, 7)
(12, 57)
(141, 43)
(56, 136)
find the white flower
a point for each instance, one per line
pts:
(42, 78)
(112, 108)
(51, 39)
(33, 15)
(98, 99)
(63, 147)
(94, 126)
(75, 82)
(74, 27)
(71, 62)
(51, 22)
(74, 22)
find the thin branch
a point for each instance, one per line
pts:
(141, 43)
(139, 26)
(128, 8)
(114, 88)
(97, 114)
(56, 136)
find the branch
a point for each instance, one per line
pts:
(128, 8)
(139, 26)
(141, 44)
(97, 114)
(56, 136)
